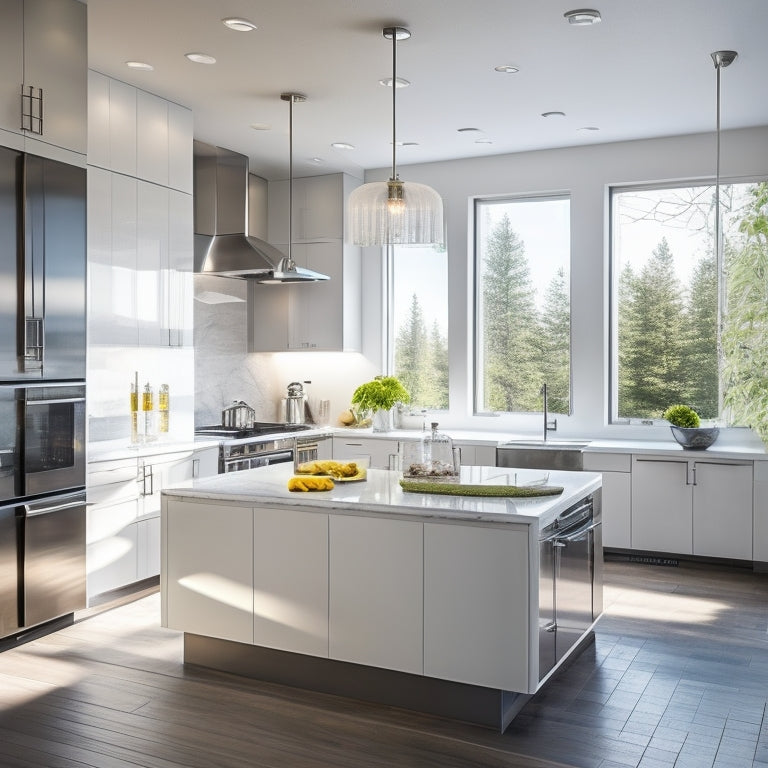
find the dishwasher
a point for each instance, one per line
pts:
(570, 579)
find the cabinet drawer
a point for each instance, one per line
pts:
(607, 462)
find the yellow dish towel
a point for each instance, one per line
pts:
(334, 468)
(310, 483)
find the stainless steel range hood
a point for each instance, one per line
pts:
(221, 209)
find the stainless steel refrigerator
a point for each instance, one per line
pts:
(42, 390)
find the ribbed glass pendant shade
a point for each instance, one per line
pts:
(415, 216)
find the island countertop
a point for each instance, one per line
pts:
(381, 492)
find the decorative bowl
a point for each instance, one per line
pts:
(695, 438)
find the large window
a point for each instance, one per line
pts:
(689, 327)
(419, 323)
(522, 261)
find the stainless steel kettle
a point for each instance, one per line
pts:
(239, 415)
(295, 404)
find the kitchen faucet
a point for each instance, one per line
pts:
(549, 426)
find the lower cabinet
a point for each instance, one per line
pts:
(686, 506)
(377, 450)
(290, 604)
(476, 604)
(208, 572)
(376, 607)
(616, 469)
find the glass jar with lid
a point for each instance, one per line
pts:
(432, 457)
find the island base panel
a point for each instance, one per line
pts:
(474, 704)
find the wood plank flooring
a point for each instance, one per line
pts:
(678, 676)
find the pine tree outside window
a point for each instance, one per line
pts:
(522, 316)
(419, 323)
(665, 303)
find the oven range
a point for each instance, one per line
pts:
(250, 447)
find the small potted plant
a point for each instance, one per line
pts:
(380, 396)
(685, 425)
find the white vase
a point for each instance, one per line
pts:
(382, 420)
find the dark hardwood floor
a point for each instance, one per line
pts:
(678, 676)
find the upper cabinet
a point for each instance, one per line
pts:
(323, 316)
(139, 134)
(43, 91)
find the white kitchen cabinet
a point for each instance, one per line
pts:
(376, 592)
(477, 455)
(686, 506)
(291, 580)
(475, 618)
(208, 569)
(152, 138)
(147, 548)
(111, 124)
(760, 522)
(180, 133)
(616, 469)
(43, 45)
(324, 316)
(378, 451)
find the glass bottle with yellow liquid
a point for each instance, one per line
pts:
(163, 407)
(134, 413)
(148, 409)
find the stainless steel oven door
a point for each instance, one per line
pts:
(53, 442)
(238, 462)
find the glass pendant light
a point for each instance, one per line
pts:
(395, 212)
(287, 271)
(721, 59)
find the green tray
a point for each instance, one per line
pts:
(457, 489)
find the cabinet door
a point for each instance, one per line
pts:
(160, 472)
(98, 120)
(318, 207)
(209, 569)
(11, 63)
(152, 138)
(122, 128)
(617, 509)
(376, 609)
(148, 548)
(317, 309)
(205, 462)
(179, 148)
(152, 265)
(180, 288)
(377, 451)
(662, 508)
(111, 546)
(477, 606)
(722, 510)
(56, 60)
(291, 580)
(121, 323)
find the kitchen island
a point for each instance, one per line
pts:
(443, 604)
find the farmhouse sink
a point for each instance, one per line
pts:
(541, 454)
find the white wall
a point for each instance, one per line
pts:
(585, 173)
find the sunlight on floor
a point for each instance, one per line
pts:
(669, 607)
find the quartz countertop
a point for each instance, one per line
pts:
(381, 492)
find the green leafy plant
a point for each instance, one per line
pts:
(681, 416)
(380, 394)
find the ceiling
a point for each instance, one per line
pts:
(644, 71)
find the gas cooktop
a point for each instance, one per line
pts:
(257, 429)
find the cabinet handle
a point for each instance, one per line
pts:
(195, 467)
(33, 342)
(32, 109)
(147, 475)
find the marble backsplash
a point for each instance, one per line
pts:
(226, 371)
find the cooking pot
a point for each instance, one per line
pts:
(239, 415)
(294, 406)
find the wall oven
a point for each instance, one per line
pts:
(42, 439)
(247, 454)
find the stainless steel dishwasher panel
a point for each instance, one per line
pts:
(53, 562)
(573, 579)
(9, 608)
(547, 625)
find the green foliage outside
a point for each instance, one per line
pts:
(667, 332)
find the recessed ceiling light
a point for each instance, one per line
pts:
(406, 143)
(401, 82)
(316, 160)
(142, 65)
(483, 141)
(587, 129)
(507, 68)
(200, 58)
(583, 17)
(553, 114)
(261, 126)
(239, 25)
(342, 145)
(467, 130)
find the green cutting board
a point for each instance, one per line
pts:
(458, 489)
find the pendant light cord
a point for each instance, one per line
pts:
(394, 102)
(290, 178)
